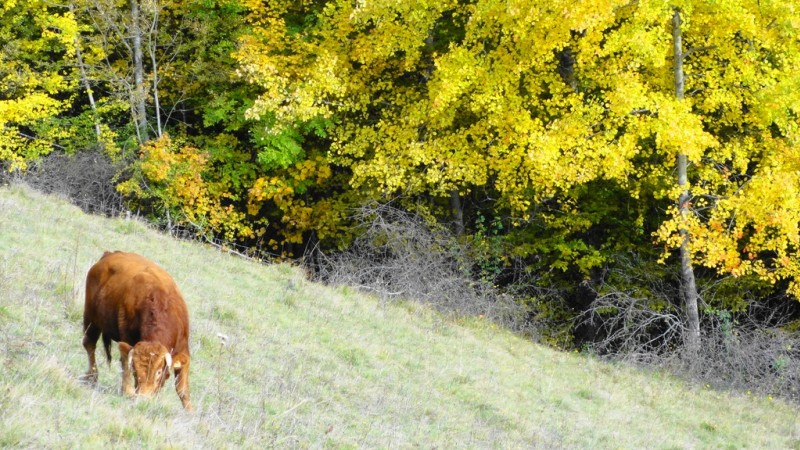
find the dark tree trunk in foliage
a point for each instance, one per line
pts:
(566, 67)
(457, 211)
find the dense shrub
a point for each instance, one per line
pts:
(747, 347)
(396, 255)
(87, 179)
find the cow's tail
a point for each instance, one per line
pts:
(107, 345)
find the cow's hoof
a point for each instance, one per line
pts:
(88, 378)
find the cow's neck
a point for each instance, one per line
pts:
(155, 326)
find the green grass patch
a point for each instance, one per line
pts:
(280, 362)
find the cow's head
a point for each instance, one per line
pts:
(150, 363)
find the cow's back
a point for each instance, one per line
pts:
(123, 288)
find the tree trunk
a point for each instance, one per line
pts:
(688, 285)
(138, 100)
(457, 210)
(88, 87)
(85, 80)
(152, 49)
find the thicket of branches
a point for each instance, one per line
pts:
(745, 355)
(746, 350)
(397, 256)
(87, 179)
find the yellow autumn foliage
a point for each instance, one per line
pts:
(530, 99)
(173, 174)
(33, 84)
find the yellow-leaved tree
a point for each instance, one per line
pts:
(719, 108)
(34, 79)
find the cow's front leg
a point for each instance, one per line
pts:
(180, 366)
(126, 359)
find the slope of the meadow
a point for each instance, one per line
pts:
(281, 362)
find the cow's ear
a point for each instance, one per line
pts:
(124, 347)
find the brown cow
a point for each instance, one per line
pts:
(131, 300)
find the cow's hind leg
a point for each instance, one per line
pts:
(90, 336)
(181, 368)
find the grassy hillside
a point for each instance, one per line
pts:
(282, 362)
